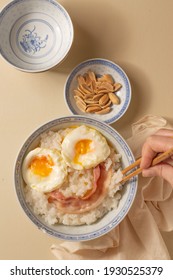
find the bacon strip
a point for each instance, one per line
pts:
(96, 173)
(76, 205)
(57, 194)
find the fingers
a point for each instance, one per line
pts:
(160, 142)
(165, 132)
(162, 170)
(155, 144)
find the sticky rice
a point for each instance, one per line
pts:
(79, 182)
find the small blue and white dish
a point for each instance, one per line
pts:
(109, 220)
(100, 67)
(35, 35)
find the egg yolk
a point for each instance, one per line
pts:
(82, 147)
(41, 165)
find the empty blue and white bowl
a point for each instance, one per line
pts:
(35, 35)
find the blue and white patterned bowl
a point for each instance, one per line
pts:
(35, 35)
(99, 67)
(111, 219)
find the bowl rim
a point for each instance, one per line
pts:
(78, 67)
(43, 69)
(29, 212)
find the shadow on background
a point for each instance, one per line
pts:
(94, 37)
(141, 93)
(92, 40)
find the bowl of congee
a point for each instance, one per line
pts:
(67, 178)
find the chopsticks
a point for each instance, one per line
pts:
(159, 158)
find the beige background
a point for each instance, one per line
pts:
(137, 35)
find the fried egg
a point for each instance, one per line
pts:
(44, 169)
(84, 148)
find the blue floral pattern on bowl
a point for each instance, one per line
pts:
(32, 42)
(35, 35)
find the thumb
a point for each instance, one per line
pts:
(162, 170)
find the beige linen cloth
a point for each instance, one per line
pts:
(138, 236)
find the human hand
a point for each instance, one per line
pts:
(160, 142)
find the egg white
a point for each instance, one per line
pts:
(54, 179)
(98, 150)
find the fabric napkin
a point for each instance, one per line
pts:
(138, 236)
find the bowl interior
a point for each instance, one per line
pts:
(35, 34)
(110, 220)
(99, 67)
